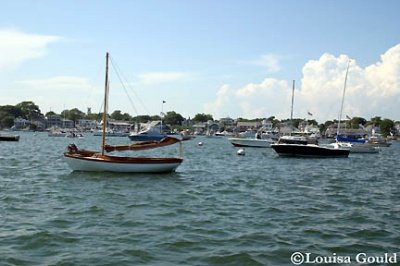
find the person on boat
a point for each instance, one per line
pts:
(72, 148)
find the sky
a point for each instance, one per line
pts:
(228, 58)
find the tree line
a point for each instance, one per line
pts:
(30, 111)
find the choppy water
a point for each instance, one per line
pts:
(217, 209)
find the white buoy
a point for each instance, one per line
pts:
(200, 143)
(241, 152)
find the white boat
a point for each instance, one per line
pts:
(74, 135)
(248, 134)
(377, 140)
(251, 142)
(111, 133)
(356, 148)
(56, 132)
(93, 161)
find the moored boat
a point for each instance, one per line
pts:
(94, 161)
(155, 131)
(352, 142)
(111, 133)
(309, 150)
(357, 148)
(251, 142)
(7, 137)
(85, 160)
(377, 140)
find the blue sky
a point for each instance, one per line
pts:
(227, 58)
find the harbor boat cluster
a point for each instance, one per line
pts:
(287, 140)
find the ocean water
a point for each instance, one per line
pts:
(217, 209)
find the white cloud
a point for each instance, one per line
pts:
(370, 91)
(162, 77)
(225, 100)
(384, 75)
(17, 47)
(269, 61)
(61, 83)
(60, 92)
(253, 100)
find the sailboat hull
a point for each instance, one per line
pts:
(121, 164)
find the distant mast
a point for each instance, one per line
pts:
(105, 108)
(291, 109)
(341, 107)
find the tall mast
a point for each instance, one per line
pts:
(291, 109)
(105, 107)
(341, 107)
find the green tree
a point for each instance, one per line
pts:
(323, 127)
(30, 110)
(11, 110)
(386, 127)
(312, 122)
(93, 116)
(74, 114)
(375, 121)
(203, 118)
(126, 117)
(7, 121)
(51, 113)
(274, 121)
(116, 115)
(155, 118)
(355, 122)
(141, 119)
(172, 118)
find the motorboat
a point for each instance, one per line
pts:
(111, 133)
(356, 148)
(155, 131)
(377, 140)
(309, 150)
(251, 142)
(7, 137)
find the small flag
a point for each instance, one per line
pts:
(310, 114)
(348, 117)
(163, 101)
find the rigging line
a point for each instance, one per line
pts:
(344, 91)
(120, 74)
(123, 86)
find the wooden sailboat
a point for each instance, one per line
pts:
(93, 161)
